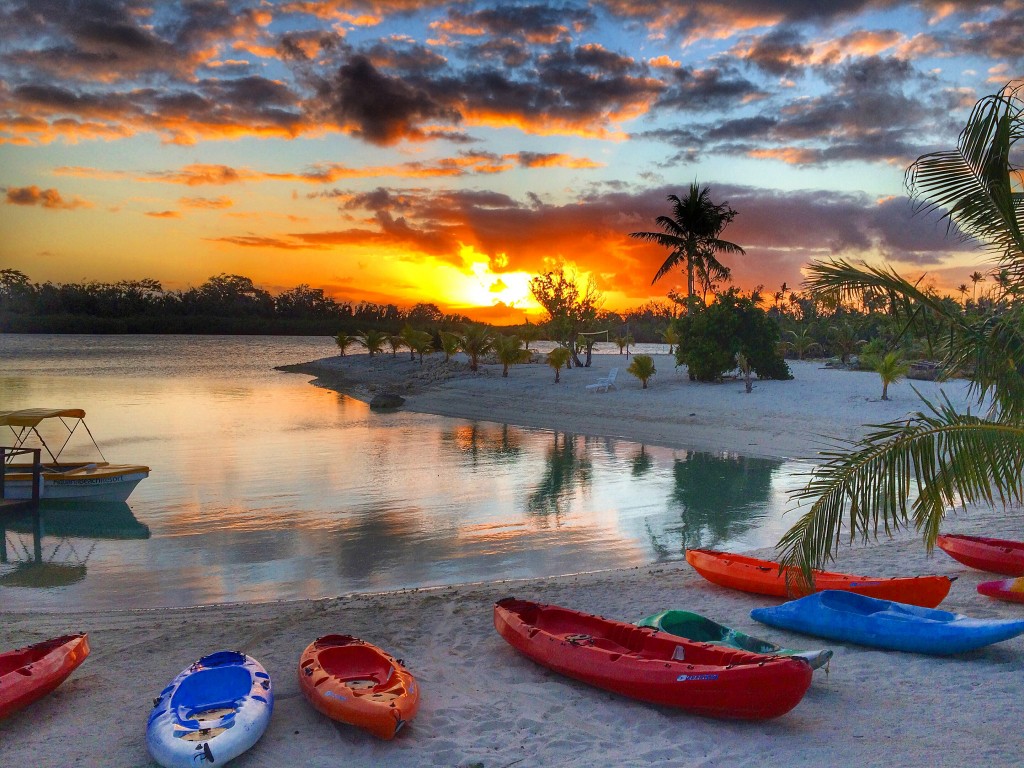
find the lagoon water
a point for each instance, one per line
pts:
(264, 487)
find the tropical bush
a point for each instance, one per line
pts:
(557, 359)
(642, 367)
(710, 336)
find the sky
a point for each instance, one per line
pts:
(403, 152)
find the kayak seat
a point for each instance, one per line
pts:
(209, 689)
(355, 662)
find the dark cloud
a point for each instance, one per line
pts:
(780, 52)
(535, 22)
(713, 88)
(44, 198)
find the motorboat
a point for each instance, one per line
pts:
(62, 479)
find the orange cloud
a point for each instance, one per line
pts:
(50, 199)
(206, 203)
(164, 214)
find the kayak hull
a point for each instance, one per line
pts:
(984, 553)
(644, 664)
(1011, 590)
(27, 674)
(211, 712)
(354, 682)
(847, 616)
(763, 577)
(701, 629)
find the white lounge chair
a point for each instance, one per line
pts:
(603, 385)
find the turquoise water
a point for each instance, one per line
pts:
(264, 487)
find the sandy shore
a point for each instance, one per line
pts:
(484, 705)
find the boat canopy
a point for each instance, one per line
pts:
(30, 417)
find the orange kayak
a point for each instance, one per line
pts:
(30, 673)
(763, 577)
(357, 683)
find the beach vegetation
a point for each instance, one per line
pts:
(622, 342)
(409, 335)
(373, 340)
(890, 367)
(670, 336)
(845, 339)
(421, 343)
(529, 333)
(910, 472)
(450, 344)
(800, 341)
(476, 340)
(572, 307)
(711, 336)
(510, 351)
(396, 342)
(746, 371)
(692, 235)
(344, 341)
(643, 368)
(558, 358)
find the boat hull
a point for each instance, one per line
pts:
(354, 682)
(1011, 590)
(27, 674)
(847, 616)
(643, 664)
(984, 553)
(111, 482)
(701, 629)
(763, 577)
(211, 712)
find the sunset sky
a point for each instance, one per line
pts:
(402, 151)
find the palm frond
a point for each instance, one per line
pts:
(903, 474)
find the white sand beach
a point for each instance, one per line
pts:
(484, 705)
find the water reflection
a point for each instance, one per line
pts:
(718, 498)
(51, 546)
(567, 472)
(264, 488)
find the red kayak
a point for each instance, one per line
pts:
(645, 664)
(1004, 589)
(31, 672)
(985, 554)
(763, 577)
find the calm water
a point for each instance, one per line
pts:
(265, 487)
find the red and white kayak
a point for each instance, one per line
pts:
(1004, 589)
(30, 673)
(984, 553)
(653, 666)
(767, 577)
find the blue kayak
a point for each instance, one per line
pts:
(840, 615)
(210, 713)
(701, 629)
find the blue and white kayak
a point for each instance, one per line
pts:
(210, 713)
(840, 615)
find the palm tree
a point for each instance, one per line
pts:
(450, 344)
(510, 351)
(891, 368)
(530, 332)
(373, 341)
(557, 358)
(623, 342)
(802, 341)
(642, 367)
(421, 342)
(948, 458)
(962, 289)
(408, 337)
(396, 343)
(692, 234)
(844, 340)
(344, 340)
(670, 336)
(476, 340)
(976, 277)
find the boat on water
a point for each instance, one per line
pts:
(847, 616)
(653, 666)
(767, 577)
(701, 629)
(984, 553)
(63, 479)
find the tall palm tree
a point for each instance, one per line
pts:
(962, 289)
(692, 234)
(976, 277)
(947, 458)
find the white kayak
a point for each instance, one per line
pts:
(210, 713)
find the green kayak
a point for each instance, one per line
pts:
(695, 627)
